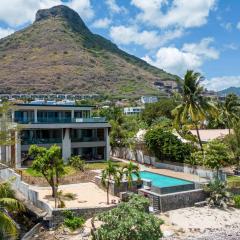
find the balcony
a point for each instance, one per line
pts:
(87, 139)
(41, 141)
(61, 120)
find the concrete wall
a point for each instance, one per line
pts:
(171, 201)
(24, 188)
(140, 157)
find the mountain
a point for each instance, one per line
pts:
(235, 90)
(59, 54)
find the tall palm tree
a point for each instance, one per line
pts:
(230, 110)
(129, 171)
(110, 173)
(8, 204)
(194, 107)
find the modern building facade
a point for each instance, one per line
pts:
(71, 127)
(132, 110)
(148, 99)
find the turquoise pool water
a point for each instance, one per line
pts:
(161, 180)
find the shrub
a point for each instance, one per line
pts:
(129, 221)
(236, 200)
(77, 163)
(218, 194)
(73, 222)
(166, 146)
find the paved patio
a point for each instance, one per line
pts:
(87, 195)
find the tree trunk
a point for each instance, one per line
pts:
(199, 139)
(108, 192)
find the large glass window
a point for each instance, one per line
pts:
(54, 116)
(23, 116)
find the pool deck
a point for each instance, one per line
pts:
(167, 172)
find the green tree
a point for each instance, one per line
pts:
(129, 171)
(110, 173)
(8, 203)
(166, 146)
(49, 163)
(230, 110)
(193, 108)
(129, 221)
(216, 155)
(154, 111)
(233, 141)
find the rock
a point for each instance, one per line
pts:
(168, 233)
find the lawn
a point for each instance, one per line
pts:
(69, 170)
(233, 182)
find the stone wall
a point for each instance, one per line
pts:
(171, 201)
(58, 214)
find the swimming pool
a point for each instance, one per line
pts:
(163, 181)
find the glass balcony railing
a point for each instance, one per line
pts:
(41, 141)
(87, 139)
(62, 120)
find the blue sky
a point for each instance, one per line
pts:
(174, 35)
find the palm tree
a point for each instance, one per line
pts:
(193, 107)
(230, 110)
(129, 171)
(8, 204)
(111, 172)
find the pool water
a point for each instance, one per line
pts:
(159, 180)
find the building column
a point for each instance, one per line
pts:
(18, 162)
(35, 116)
(107, 146)
(3, 158)
(72, 114)
(66, 145)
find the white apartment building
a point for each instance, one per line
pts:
(132, 110)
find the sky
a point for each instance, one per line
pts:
(174, 35)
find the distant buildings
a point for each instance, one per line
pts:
(148, 99)
(132, 110)
(69, 126)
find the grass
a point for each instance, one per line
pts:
(101, 165)
(30, 172)
(233, 182)
(69, 170)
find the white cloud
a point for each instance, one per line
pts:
(19, 12)
(114, 7)
(238, 26)
(148, 39)
(176, 13)
(220, 83)
(228, 26)
(190, 56)
(102, 23)
(5, 32)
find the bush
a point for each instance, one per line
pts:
(77, 163)
(218, 194)
(166, 146)
(129, 221)
(236, 200)
(72, 222)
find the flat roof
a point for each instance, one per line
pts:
(52, 105)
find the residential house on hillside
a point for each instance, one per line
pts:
(132, 110)
(148, 99)
(69, 126)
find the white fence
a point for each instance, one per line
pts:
(23, 188)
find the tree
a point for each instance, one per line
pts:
(216, 155)
(110, 173)
(166, 146)
(230, 110)
(154, 111)
(233, 141)
(129, 171)
(129, 221)
(8, 203)
(194, 107)
(49, 163)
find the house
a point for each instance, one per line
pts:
(69, 126)
(207, 135)
(148, 99)
(132, 110)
